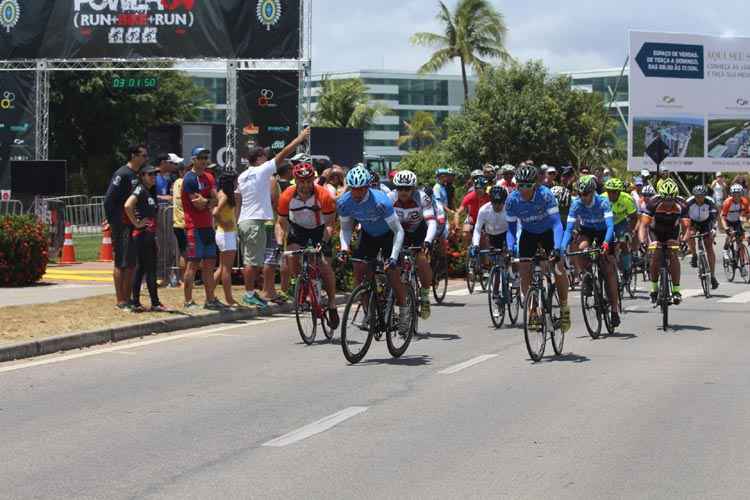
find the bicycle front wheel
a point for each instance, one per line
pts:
(705, 275)
(534, 324)
(440, 281)
(665, 297)
(592, 315)
(555, 319)
(357, 326)
(514, 302)
(397, 341)
(728, 261)
(471, 279)
(327, 330)
(495, 298)
(307, 323)
(633, 283)
(744, 263)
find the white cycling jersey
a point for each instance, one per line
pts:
(492, 222)
(414, 212)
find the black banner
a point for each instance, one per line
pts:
(267, 109)
(132, 29)
(16, 121)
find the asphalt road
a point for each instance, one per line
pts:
(207, 413)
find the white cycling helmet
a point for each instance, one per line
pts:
(358, 177)
(736, 189)
(405, 178)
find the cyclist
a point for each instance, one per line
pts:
(507, 173)
(734, 208)
(417, 216)
(563, 196)
(440, 190)
(702, 212)
(470, 205)
(492, 219)
(306, 213)
(535, 207)
(593, 213)
(664, 214)
(381, 232)
(625, 218)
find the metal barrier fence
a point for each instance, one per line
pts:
(86, 218)
(11, 207)
(168, 253)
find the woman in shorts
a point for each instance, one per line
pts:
(225, 215)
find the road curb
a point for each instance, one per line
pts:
(91, 338)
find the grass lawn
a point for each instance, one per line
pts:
(87, 247)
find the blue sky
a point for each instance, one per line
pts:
(566, 34)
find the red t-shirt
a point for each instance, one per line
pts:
(473, 202)
(203, 185)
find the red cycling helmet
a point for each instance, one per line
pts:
(303, 171)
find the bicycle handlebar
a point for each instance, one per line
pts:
(588, 251)
(302, 251)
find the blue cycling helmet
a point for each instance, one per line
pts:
(358, 177)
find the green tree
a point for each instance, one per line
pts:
(424, 162)
(519, 112)
(421, 131)
(473, 32)
(345, 104)
(91, 125)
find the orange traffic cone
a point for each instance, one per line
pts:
(105, 250)
(68, 249)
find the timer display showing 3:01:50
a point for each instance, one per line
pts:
(135, 83)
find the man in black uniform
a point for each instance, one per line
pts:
(122, 184)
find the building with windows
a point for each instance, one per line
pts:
(608, 83)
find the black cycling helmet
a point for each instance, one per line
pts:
(498, 194)
(700, 190)
(527, 174)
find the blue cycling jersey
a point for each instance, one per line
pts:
(537, 215)
(440, 194)
(371, 212)
(597, 216)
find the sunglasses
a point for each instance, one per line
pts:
(201, 157)
(526, 185)
(401, 189)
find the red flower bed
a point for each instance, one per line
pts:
(23, 250)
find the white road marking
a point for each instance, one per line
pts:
(314, 428)
(467, 364)
(740, 298)
(126, 353)
(134, 345)
(221, 335)
(632, 308)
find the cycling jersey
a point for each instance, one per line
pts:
(315, 211)
(472, 202)
(536, 215)
(440, 217)
(440, 193)
(664, 215)
(509, 186)
(623, 207)
(370, 213)
(412, 212)
(732, 210)
(596, 217)
(493, 223)
(701, 213)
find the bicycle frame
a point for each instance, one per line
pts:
(309, 275)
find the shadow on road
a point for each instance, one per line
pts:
(623, 336)
(569, 357)
(687, 328)
(449, 304)
(438, 336)
(420, 360)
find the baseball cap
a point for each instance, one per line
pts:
(568, 171)
(198, 150)
(645, 173)
(173, 158)
(551, 169)
(719, 174)
(148, 169)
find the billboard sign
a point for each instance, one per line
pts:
(17, 123)
(689, 101)
(139, 29)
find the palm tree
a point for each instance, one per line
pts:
(421, 130)
(345, 104)
(475, 30)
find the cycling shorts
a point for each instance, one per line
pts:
(415, 238)
(369, 246)
(665, 235)
(302, 237)
(622, 229)
(497, 241)
(737, 227)
(528, 243)
(595, 237)
(701, 227)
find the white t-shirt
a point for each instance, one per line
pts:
(254, 184)
(492, 222)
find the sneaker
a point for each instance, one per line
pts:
(190, 305)
(676, 298)
(160, 308)
(214, 305)
(283, 296)
(694, 261)
(404, 322)
(333, 318)
(565, 318)
(714, 283)
(615, 320)
(125, 306)
(252, 299)
(136, 308)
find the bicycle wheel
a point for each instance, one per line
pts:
(440, 281)
(495, 298)
(484, 278)
(554, 313)
(397, 342)
(633, 285)
(514, 302)
(592, 315)
(705, 275)
(307, 323)
(327, 330)
(728, 260)
(471, 279)
(665, 298)
(534, 324)
(744, 263)
(358, 327)
(605, 306)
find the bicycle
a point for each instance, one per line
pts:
(704, 271)
(502, 295)
(595, 304)
(410, 278)
(734, 259)
(664, 294)
(625, 279)
(439, 264)
(371, 312)
(310, 299)
(473, 270)
(541, 310)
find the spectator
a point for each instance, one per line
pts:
(254, 186)
(568, 177)
(178, 219)
(164, 179)
(271, 258)
(141, 208)
(122, 184)
(198, 200)
(335, 181)
(719, 189)
(551, 178)
(284, 179)
(225, 213)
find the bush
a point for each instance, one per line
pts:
(23, 250)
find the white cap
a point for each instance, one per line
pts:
(645, 173)
(607, 171)
(719, 174)
(551, 169)
(173, 158)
